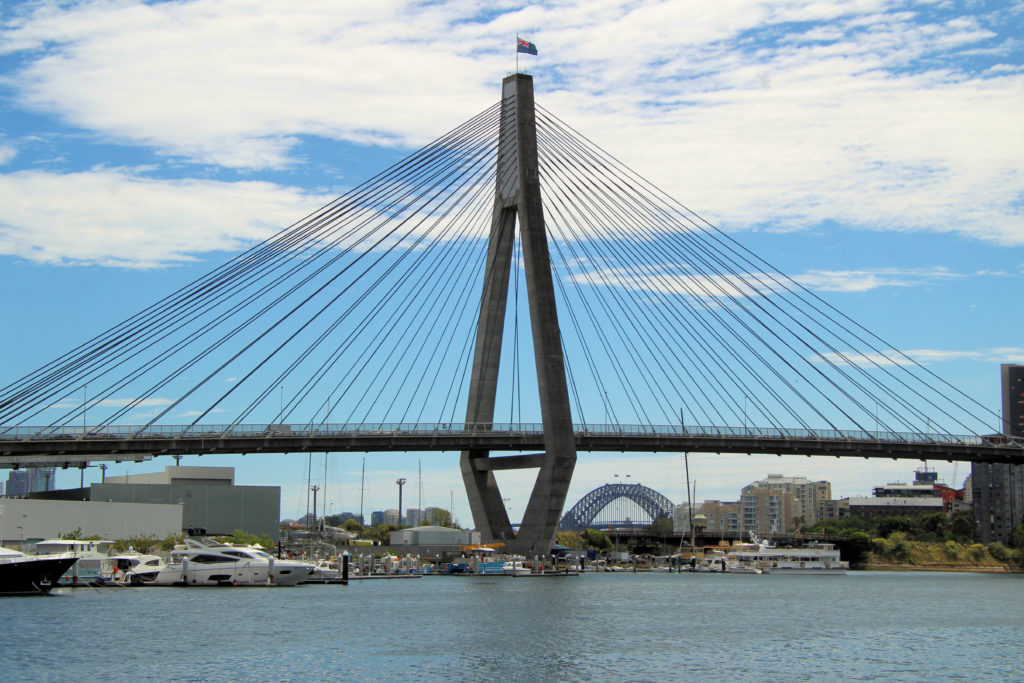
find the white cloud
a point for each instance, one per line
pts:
(233, 83)
(922, 356)
(676, 280)
(672, 281)
(7, 153)
(857, 117)
(865, 280)
(113, 217)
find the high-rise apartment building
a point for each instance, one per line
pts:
(809, 500)
(997, 488)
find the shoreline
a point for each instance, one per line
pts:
(937, 568)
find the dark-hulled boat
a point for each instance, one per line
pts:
(22, 574)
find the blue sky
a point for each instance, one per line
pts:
(869, 149)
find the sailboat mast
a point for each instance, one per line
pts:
(689, 500)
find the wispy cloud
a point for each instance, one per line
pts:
(865, 280)
(922, 356)
(676, 280)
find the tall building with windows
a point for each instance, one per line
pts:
(997, 489)
(808, 505)
(31, 480)
(722, 517)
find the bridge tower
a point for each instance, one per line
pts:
(517, 195)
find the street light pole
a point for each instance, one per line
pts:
(314, 488)
(401, 482)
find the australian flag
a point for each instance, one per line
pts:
(525, 46)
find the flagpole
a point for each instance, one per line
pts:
(517, 53)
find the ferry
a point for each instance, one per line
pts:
(813, 558)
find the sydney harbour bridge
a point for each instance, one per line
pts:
(510, 292)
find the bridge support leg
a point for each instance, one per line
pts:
(517, 194)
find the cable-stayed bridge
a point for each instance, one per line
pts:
(509, 287)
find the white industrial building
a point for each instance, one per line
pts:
(434, 538)
(26, 521)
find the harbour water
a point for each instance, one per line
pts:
(594, 627)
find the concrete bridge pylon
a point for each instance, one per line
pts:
(517, 197)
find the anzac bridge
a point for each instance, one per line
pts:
(510, 292)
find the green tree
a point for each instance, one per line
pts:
(143, 544)
(381, 532)
(857, 548)
(168, 543)
(241, 537)
(1017, 537)
(570, 539)
(961, 527)
(838, 527)
(353, 526)
(933, 527)
(662, 524)
(597, 539)
(444, 518)
(999, 551)
(887, 526)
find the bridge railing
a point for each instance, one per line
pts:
(454, 429)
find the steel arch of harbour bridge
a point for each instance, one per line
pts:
(583, 513)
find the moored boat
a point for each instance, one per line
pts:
(813, 558)
(22, 574)
(515, 568)
(208, 563)
(135, 568)
(94, 564)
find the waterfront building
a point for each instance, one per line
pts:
(809, 497)
(26, 521)
(681, 515)
(208, 497)
(926, 485)
(767, 511)
(997, 489)
(434, 539)
(871, 509)
(998, 492)
(722, 517)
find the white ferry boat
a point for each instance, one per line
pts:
(814, 558)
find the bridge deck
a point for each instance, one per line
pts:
(68, 446)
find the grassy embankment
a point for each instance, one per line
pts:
(898, 552)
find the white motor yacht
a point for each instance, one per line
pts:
(135, 568)
(515, 568)
(208, 563)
